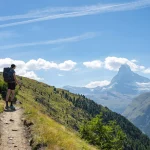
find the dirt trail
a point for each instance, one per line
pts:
(12, 131)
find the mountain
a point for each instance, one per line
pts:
(55, 116)
(138, 112)
(125, 82)
(115, 101)
(119, 93)
(78, 90)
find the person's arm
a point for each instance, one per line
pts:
(17, 82)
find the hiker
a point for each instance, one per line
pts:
(12, 82)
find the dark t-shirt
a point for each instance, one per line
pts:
(12, 71)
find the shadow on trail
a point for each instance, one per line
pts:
(9, 110)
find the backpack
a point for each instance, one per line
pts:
(7, 75)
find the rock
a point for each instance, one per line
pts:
(11, 120)
(23, 119)
(31, 142)
(14, 129)
(28, 124)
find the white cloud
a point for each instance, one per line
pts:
(8, 61)
(43, 64)
(93, 64)
(21, 68)
(67, 65)
(68, 12)
(147, 70)
(40, 64)
(21, 71)
(81, 37)
(31, 75)
(143, 86)
(26, 69)
(134, 61)
(98, 83)
(114, 63)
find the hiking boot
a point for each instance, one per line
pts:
(7, 107)
(12, 107)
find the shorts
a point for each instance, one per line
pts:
(12, 86)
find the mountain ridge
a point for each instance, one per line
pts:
(124, 86)
(124, 76)
(125, 81)
(138, 112)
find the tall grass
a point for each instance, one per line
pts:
(1, 105)
(48, 132)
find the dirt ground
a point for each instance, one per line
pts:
(12, 131)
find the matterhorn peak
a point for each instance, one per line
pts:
(125, 69)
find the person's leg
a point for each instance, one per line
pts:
(12, 97)
(7, 97)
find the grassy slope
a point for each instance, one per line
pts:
(57, 106)
(1, 106)
(71, 113)
(45, 130)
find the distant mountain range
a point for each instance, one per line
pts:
(126, 81)
(119, 93)
(138, 112)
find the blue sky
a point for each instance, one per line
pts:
(87, 41)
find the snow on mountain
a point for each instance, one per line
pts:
(119, 93)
